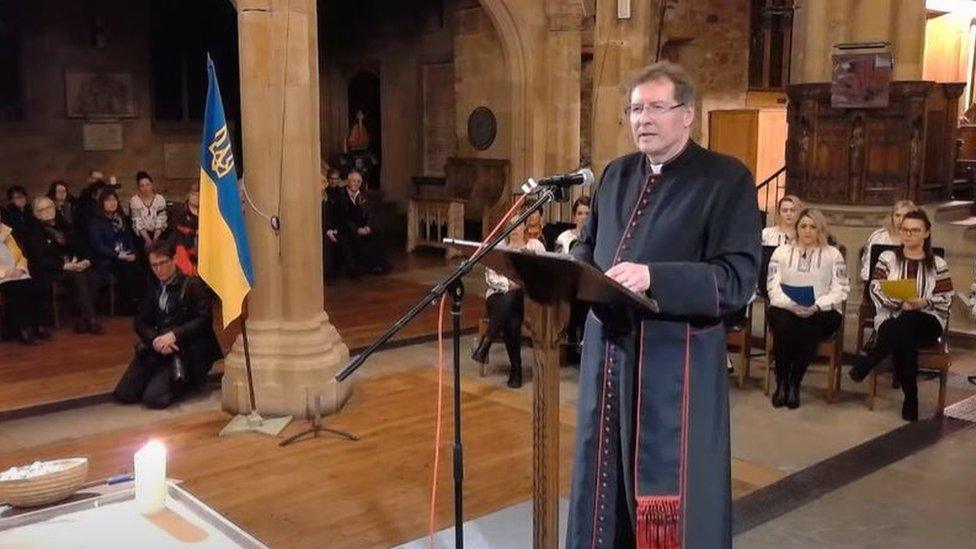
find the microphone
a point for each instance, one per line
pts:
(582, 176)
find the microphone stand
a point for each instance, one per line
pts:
(453, 284)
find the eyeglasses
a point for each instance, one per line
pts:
(655, 109)
(911, 232)
(161, 263)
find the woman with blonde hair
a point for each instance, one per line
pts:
(504, 306)
(808, 265)
(784, 231)
(887, 235)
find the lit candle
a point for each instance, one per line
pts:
(150, 470)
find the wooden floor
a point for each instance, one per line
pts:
(75, 366)
(328, 492)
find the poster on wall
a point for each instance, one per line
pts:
(861, 80)
(90, 94)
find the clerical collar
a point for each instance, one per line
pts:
(678, 160)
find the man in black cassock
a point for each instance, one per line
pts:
(681, 223)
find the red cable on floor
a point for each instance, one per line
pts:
(440, 377)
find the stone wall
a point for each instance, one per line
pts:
(47, 145)
(481, 80)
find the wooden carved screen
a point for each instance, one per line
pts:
(872, 156)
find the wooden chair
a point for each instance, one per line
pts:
(829, 353)
(738, 335)
(934, 358)
(738, 339)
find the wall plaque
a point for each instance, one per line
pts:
(99, 95)
(102, 137)
(482, 128)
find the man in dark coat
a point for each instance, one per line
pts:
(362, 252)
(177, 345)
(680, 223)
(330, 225)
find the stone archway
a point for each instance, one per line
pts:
(516, 57)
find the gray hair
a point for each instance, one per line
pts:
(684, 85)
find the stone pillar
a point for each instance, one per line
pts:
(621, 47)
(817, 26)
(563, 68)
(294, 349)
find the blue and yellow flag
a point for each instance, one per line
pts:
(224, 259)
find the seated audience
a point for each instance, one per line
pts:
(16, 214)
(902, 327)
(361, 250)
(55, 256)
(784, 231)
(504, 306)
(21, 294)
(177, 345)
(113, 249)
(581, 212)
(798, 328)
(186, 224)
(65, 204)
(148, 210)
(887, 235)
(330, 225)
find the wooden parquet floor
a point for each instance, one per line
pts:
(80, 365)
(328, 492)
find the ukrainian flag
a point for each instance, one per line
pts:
(224, 257)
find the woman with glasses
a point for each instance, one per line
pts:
(887, 235)
(799, 327)
(784, 231)
(903, 326)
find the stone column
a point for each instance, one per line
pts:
(563, 66)
(621, 48)
(294, 349)
(817, 26)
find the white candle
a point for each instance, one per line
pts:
(150, 470)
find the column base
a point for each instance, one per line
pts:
(292, 363)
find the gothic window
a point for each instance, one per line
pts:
(11, 70)
(770, 36)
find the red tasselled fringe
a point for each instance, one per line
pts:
(658, 521)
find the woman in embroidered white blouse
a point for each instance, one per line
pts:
(148, 210)
(798, 327)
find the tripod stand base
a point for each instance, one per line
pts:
(254, 423)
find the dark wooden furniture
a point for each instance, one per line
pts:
(872, 156)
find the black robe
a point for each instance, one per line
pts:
(652, 459)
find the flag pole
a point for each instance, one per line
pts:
(252, 422)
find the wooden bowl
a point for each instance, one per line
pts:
(48, 488)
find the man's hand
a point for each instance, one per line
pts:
(633, 276)
(364, 230)
(331, 234)
(165, 344)
(127, 256)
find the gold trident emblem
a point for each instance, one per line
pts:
(223, 154)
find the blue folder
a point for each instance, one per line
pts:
(801, 295)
